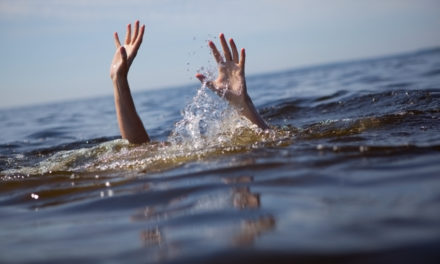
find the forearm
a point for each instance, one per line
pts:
(130, 125)
(250, 112)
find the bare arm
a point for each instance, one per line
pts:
(130, 125)
(231, 81)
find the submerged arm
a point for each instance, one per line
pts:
(130, 125)
(231, 81)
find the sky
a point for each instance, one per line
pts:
(56, 50)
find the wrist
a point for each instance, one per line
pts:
(120, 85)
(118, 77)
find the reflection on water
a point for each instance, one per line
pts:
(349, 173)
(243, 232)
(251, 229)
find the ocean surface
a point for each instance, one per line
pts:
(349, 173)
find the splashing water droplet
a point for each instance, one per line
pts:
(200, 118)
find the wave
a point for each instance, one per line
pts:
(210, 127)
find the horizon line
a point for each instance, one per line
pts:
(304, 67)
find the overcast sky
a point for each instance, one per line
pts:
(53, 50)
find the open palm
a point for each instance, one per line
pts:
(125, 55)
(231, 82)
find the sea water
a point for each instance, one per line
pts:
(349, 172)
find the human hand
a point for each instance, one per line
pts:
(231, 81)
(125, 55)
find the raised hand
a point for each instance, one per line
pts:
(231, 81)
(130, 125)
(125, 54)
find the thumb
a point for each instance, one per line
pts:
(123, 53)
(202, 78)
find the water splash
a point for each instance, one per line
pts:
(207, 120)
(209, 126)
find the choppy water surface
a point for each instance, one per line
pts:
(349, 173)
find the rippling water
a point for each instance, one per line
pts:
(349, 173)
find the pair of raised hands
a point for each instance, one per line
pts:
(231, 82)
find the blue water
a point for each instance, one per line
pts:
(350, 172)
